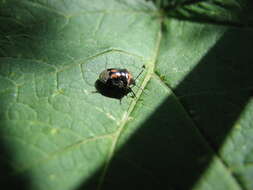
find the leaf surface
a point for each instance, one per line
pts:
(191, 126)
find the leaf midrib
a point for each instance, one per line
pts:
(126, 116)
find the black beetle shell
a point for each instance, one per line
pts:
(111, 91)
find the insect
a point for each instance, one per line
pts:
(116, 83)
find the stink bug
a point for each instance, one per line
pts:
(116, 83)
(111, 79)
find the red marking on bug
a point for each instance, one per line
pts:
(114, 76)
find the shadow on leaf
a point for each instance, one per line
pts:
(8, 179)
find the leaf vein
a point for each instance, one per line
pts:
(58, 153)
(127, 114)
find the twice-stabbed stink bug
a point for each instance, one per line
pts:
(116, 83)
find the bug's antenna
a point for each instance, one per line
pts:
(133, 93)
(138, 77)
(140, 72)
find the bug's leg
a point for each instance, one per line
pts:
(95, 91)
(134, 95)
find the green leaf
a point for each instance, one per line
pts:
(190, 126)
